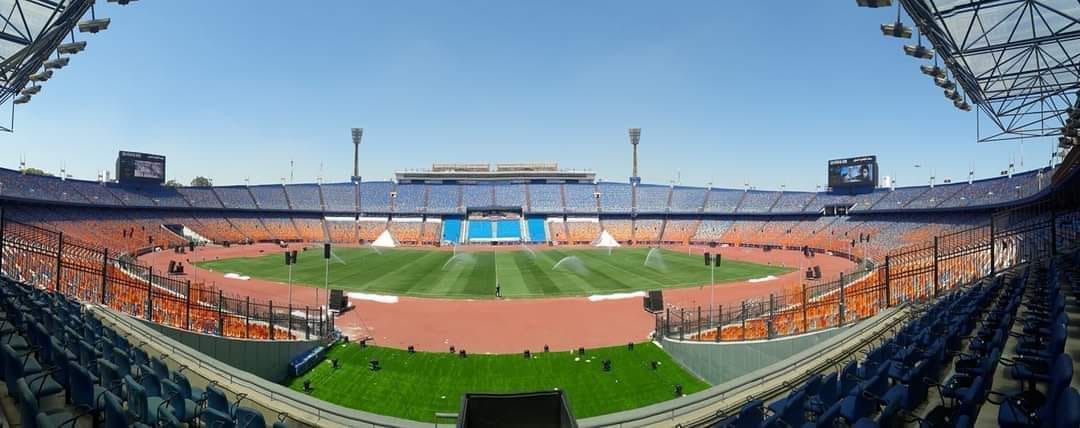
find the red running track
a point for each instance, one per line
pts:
(507, 325)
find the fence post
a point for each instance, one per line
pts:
(936, 273)
(104, 276)
(271, 305)
(150, 295)
(221, 314)
(841, 303)
(719, 321)
(888, 284)
(698, 339)
(743, 320)
(772, 316)
(290, 318)
(247, 317)
(187, 306)
(307, 323)
(682, 322)
(805, 321)
(667, 323)
(59, 260)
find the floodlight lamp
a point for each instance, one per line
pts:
(41, 76)
(896, 29)
(962, 105)
(121, 2)
(933, 71)
(952, 94)
(71, 48)
(22, 99)
(944, 83)
(30, 90)
(919, 51)
(57, 63)
(94, 25)
(873, 3)
(1074, 114)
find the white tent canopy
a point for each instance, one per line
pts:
(605, 240)
(385, 240)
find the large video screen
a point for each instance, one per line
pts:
(853, 172)
(140, 168)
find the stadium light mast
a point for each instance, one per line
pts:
(635, 138)
(357, 135)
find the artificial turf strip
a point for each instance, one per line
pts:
(416, 386)
(472, 274)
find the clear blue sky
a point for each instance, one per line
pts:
(725, 91)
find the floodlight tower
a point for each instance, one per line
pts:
(635, 138)
(357, 135)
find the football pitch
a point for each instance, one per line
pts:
(474, 273)
(416, 386)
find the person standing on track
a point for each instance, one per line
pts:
(498, 290)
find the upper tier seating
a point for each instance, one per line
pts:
(375, 196)
(581, 198)
(200, 197)
(304, 197)
(129, 197)
(339, 197)
(898, 198)
(545, 198)
(757, 201)
(444, 199)
(410, 198)
(792, 202)
(271, 196)
(935, 196)
(614, 197)
(478, 195)
(723, 201)
(687, 199)
(235, 197)
(510, 195)
(651, 199)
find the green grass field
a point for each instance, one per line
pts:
(416, 386)
(472, 274)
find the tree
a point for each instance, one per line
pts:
(36, 171)
(201, 181)
(173, 183)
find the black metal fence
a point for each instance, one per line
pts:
(49, 260)
(914, 273)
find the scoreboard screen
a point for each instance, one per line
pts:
(853, 172)
(134, 167)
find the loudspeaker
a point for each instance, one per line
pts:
(191, 246)
(288, 258)
(654, 302)
(707, 258)
(172, 266)
(817, 271)
(326, 250)
(293, 256)
(338, 301)
(716, 262)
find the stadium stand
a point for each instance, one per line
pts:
(899, 198)
(580, 198)
(621, 230)
(340, 197)
(510, 195)
(614, 197)
(406, 232)
(451, 230)
(305, 197)
(375, 196)
(711, 230)
(481, 230)
(280, 228)
(410, 198)
(200, 197)
(792, 202)
(687, 199)
(935, 196)
(577, 231)
(444, 199)
(647, 230)
(537, 229)
(651, 198)
(756, 201)
(270, 196)
(679, 231)
(546, 198)
(251, 226)
(723, 201)
(235, 197)
(129, 197)
(478, 196)
(342, 231)
(508, 229)
(310, 229)
(369, 229)
(431, 232)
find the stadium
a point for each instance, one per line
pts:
(523, 292)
